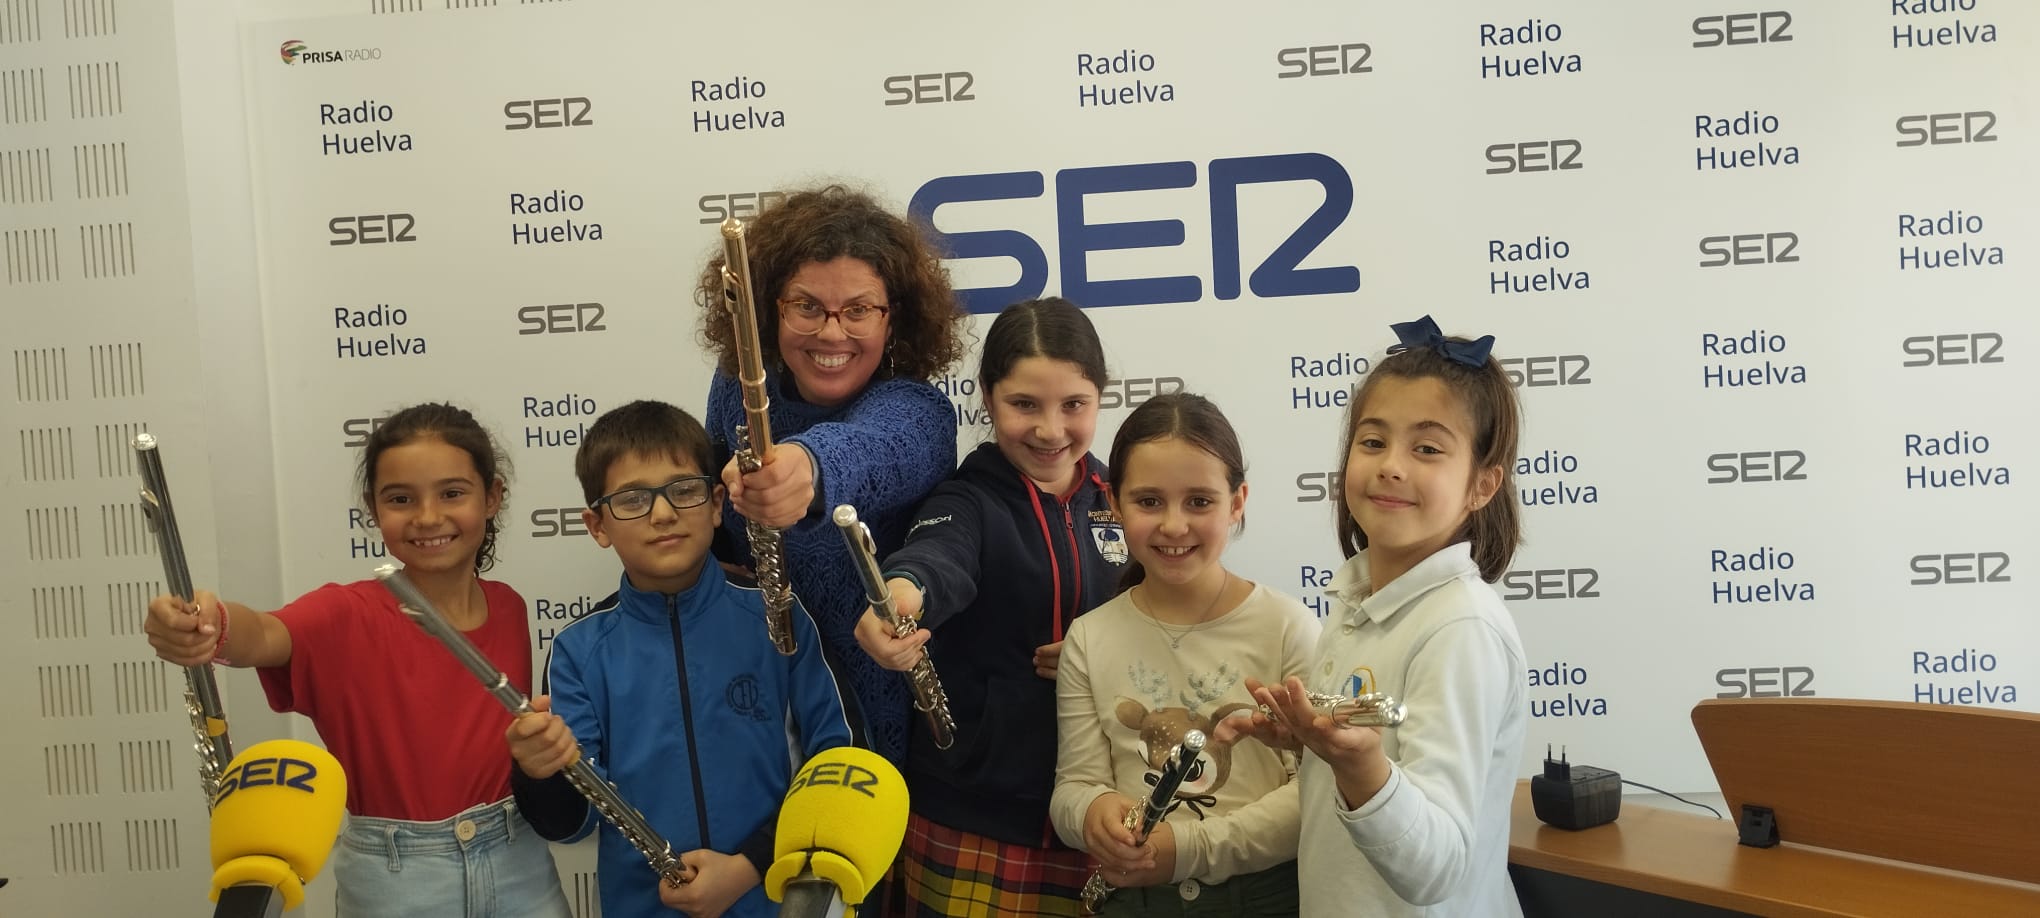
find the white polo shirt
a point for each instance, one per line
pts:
(1435, 840)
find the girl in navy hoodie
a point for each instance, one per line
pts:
(1001, 558)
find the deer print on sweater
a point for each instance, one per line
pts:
(1161, 726)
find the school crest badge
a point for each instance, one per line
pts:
(1111, 541)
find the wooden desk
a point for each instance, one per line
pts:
(1655, 861)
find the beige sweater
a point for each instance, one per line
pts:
(1118, 672)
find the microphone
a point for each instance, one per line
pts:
(839, 829)
(274, 819)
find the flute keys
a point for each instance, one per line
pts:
(1370, 710)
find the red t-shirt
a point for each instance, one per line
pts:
(418, 735)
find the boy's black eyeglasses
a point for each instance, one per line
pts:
(682, 493)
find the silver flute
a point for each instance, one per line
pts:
(929, 698)
(201, 693)
(768, 551)
(1143, 819)
(582, 775)
(1369, 710)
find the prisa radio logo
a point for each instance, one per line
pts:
(294, 51)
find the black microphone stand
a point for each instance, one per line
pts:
(809, 896)
(249, 900)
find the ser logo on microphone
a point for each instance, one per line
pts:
(296, 774)
(842, 774)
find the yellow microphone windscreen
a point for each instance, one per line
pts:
(843, 818)
(275, 816)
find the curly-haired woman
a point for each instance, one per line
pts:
(855, 317)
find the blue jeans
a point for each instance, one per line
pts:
(486, 862)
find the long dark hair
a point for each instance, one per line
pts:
(1181, 415)
(1496, 529)
(1050, 327)
(458, 428)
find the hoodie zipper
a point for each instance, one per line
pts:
(1048, 835)
(687, 719)
(1076, 563)
(1054, 565)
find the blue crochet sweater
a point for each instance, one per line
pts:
(881, 453)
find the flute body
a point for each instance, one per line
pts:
(201, 693)
(582, 775)
(768, 552)
(929, 698)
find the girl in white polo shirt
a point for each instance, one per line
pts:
(1415, 820)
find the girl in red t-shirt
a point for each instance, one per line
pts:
(432, 829)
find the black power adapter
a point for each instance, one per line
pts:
(1575, 796)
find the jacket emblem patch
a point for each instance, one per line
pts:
(745, 697)
(1111, 542)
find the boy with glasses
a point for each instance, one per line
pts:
(672, 685)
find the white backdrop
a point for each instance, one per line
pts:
(1384, 162)
(1715, 323)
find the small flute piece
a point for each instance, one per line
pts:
(1150, 813)
(1369, 710)
(600, 793)
(201, 694)
(929, 698)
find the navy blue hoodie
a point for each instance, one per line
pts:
(1006, 566)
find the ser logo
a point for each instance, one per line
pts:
(1324, 60)
(912, 88)
(1748, 249)
(369, 229)
(1313, 487)
(1947, 127)
(838, 774)
(560, 319)
(1552, 583)
(1554, 370)
(1762, 465)
(742, 205)
(526, 114)
(358, 429)
(1136, 391)
(1534, 156)
(1953, 350)
(1279, 275)
(1743, 29)
(1765, 682)
(296, 774)
(553, 522)
(1962, 567)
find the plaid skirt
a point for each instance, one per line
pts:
(946, 872)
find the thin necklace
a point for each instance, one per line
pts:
(1175, 638)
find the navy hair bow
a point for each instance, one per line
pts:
(1424, 333)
